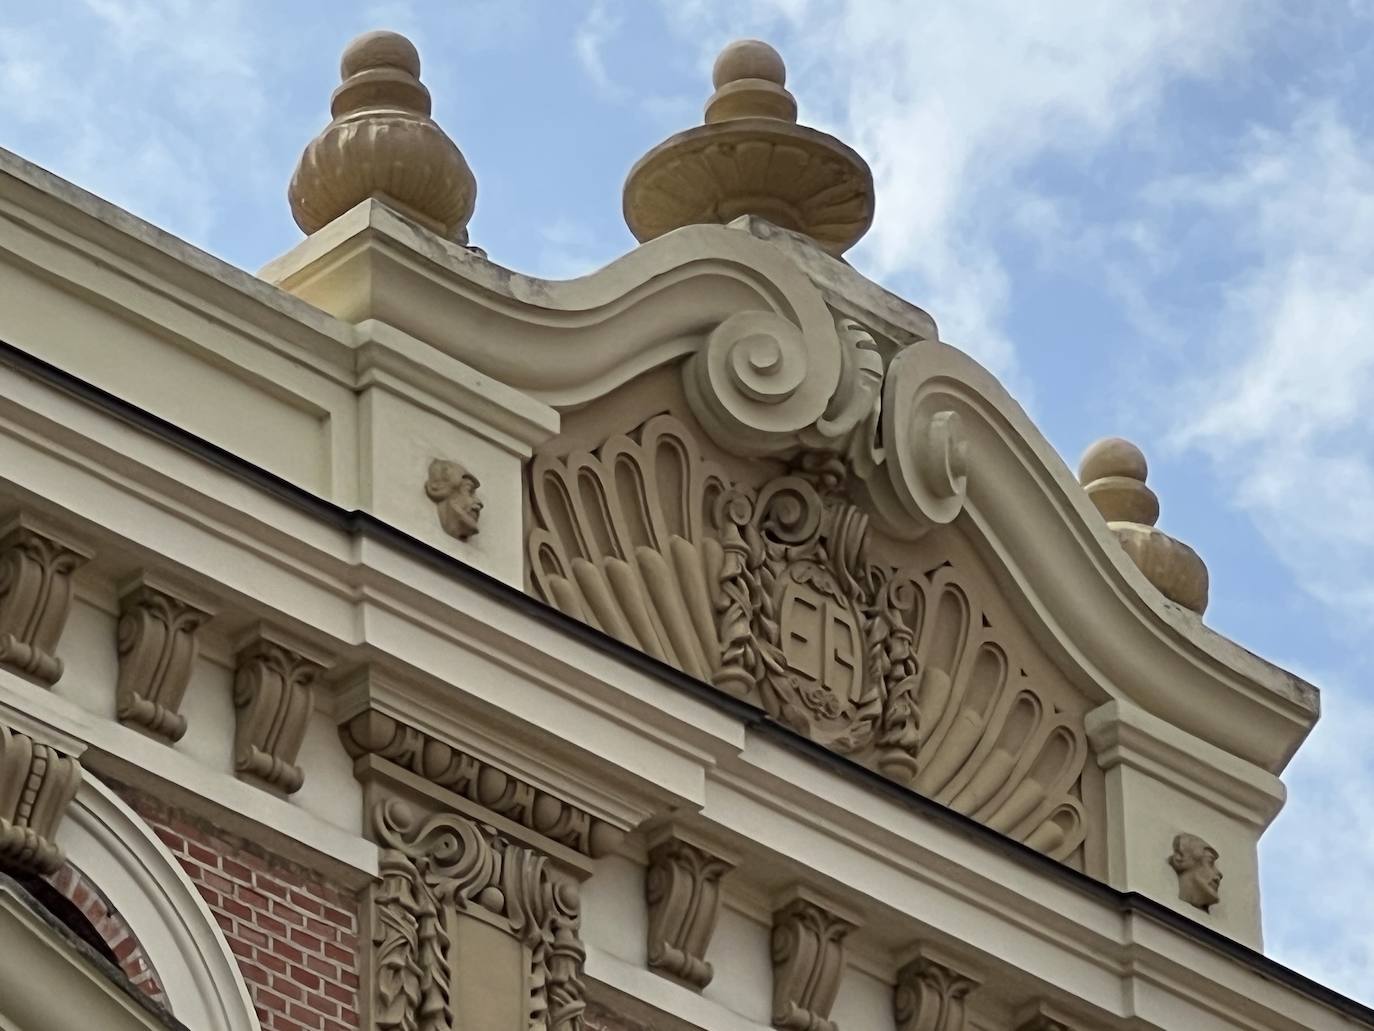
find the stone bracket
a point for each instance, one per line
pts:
(682, 888)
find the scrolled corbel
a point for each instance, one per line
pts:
(760, 381)
(682, 888)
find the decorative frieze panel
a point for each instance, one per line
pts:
(808, 959)
(931, 995)
(35, 597)
(461, 917)
(375, 733)
(37, 783)
(772, 594)
(682, 887)
(156, 641)
(274, 693)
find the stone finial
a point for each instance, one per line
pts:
(1113, 473)
(382, 143)
(752, 158)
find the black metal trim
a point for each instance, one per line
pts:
(358, 522)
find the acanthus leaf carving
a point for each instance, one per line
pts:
(931, 996)
(35, 597)
(770, 593)
(374, 733)
(430, 865)
(157, 647)
(37, 783)
(274, 692)
(682, 887)
(808, 959)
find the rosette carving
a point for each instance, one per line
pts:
(432, 868)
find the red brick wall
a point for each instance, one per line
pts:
(111, 927)
(295, 937)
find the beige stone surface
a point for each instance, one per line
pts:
(752, 158)
(382, 143)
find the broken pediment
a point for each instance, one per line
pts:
(767, 580)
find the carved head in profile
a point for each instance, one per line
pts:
(454, 492)
(1195, 862)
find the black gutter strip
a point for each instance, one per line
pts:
(358, 522)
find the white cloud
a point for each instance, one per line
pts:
(589, 42)
(953, 104)
(1282, 392)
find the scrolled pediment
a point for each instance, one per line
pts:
(779, 592)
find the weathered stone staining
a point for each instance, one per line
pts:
(157, 646)
(454, 492)
(1113, 473)
(932, 995)
(808, 958)
(274, 692)
(36, 567)
(37, 783)
(1195, 862)
(682, 887)
(382, 143)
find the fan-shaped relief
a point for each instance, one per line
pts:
(770, 594)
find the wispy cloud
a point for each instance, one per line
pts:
(589, 42)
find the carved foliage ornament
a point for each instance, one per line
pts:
(273, 697)
(37, 783)
(682, 888)
(808, 959)
(35, 597)
(376, 733)
(931, 996)
(771, 595)
(430, 866)
(156, 641)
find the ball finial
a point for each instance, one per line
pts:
(1113, 473)
(748, 59)
(383, 144)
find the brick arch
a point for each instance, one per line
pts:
(120, 942)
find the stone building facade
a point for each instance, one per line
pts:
(391, 640)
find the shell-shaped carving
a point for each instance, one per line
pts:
(623, 542)
(650, 542)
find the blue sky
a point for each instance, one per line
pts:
(1151, 219)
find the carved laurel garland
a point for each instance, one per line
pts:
(429, 865)
(770, 594)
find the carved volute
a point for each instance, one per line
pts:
(774, 593)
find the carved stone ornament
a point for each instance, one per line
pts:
(374, 733)
(770, 594)
(808, 959)
(157, 646)
(433, 868)
(1195, 862)
(683, 891)
(454, 492)
(274, 690)
(35, 597)
(931, 996)
(37, 783)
